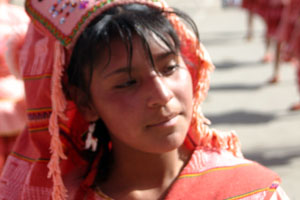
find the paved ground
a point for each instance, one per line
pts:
(240, 99)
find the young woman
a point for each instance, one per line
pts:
(114, 89)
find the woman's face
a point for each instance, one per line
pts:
(148, 109)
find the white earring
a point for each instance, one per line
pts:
(91, 141)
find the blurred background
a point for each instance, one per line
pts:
(241, 97)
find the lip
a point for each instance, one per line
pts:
(168, 121)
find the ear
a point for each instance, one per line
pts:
(84, 105)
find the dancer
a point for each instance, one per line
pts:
(251, 7)
(114, 90)
(272, 14)
(288, 37)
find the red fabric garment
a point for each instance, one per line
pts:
(289, 31)
(271, 12)
(296, 106)
(6, 144)
(294, 43)
(298, 75)
(243, 180)
(287, 23)
(251, 5)
(213, 175)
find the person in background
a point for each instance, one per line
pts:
(251, 7)
(288, 35)
(13, 21)
(271, 11)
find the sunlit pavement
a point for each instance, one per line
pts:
(240, 98)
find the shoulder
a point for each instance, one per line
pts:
(221, 175)
(206, 161)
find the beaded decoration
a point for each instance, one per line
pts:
(60, 20)
(65, 9)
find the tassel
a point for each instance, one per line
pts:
(58, 107)
(199, 133)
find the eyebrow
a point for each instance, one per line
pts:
(127, 69)
(164, 55)
(118, 71)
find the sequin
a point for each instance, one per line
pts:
(55, 14)
(62, 20)
(72, 9)
(83, 4)
(51, 9)
(64, 6)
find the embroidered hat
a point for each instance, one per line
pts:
(55, 123)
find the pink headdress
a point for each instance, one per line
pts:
(46, 53)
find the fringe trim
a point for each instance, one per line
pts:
(199, 132)
(58, 106)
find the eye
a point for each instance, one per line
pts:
(126, 84)
(170, 69)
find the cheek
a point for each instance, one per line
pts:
(185, 90)
(118, 111)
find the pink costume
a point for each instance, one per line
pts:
(293, 46)
(271, 12)
(209, 172)
(250, 5)
(289, 35)
(13, 19)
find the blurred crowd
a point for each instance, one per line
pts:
(13, 22)
(282, 20)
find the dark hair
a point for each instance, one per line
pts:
(123, 22)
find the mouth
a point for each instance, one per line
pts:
(165, 121)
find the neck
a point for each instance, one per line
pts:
(139, 171)
(147, 166)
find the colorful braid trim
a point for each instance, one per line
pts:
(36, 15)
(272, 188)
(67, 39)
(32, 160)
(212, 170)
(37, 77)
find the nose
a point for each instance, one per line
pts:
(159, 92)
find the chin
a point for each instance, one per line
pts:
(171, 143)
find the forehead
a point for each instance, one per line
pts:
(118, 50)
